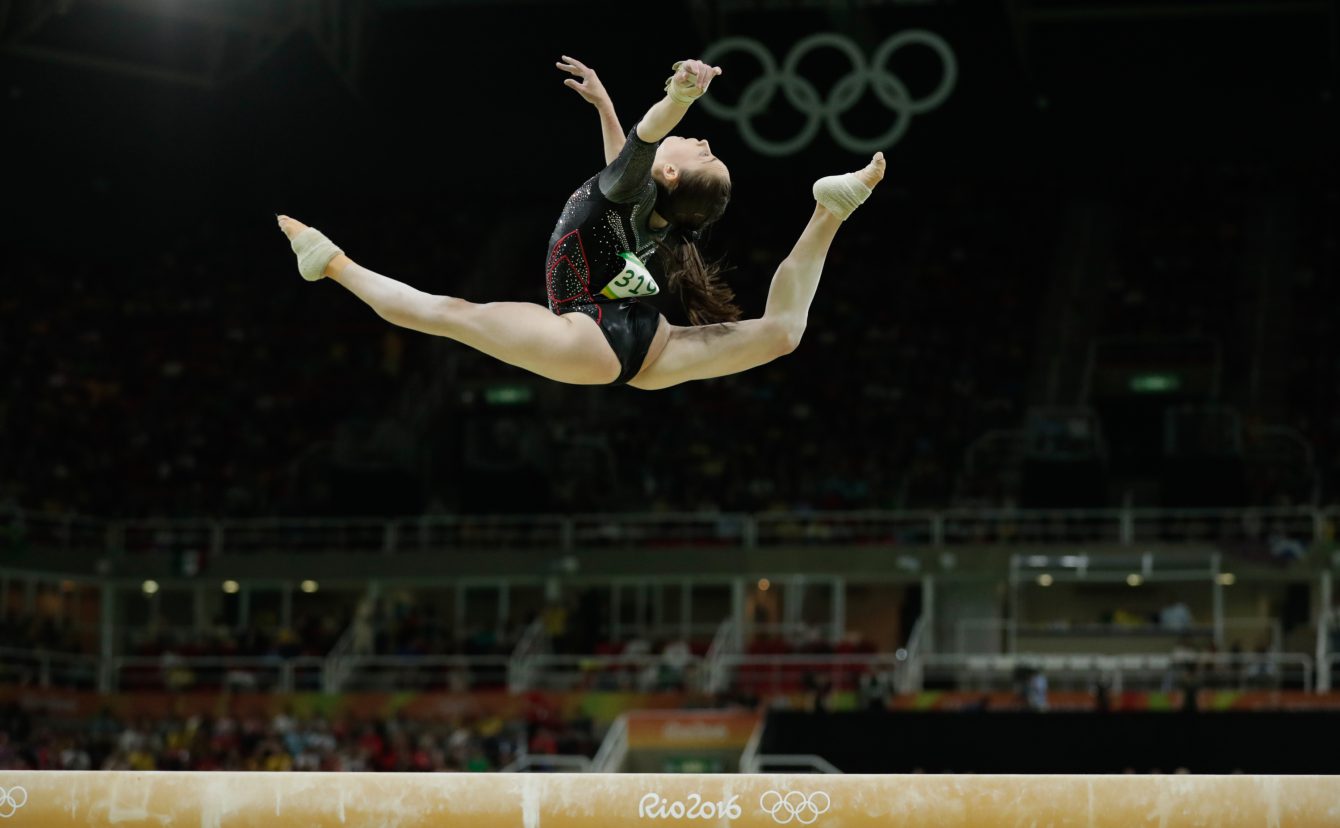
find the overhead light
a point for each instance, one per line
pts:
(309, 586)
(1227, 579)
(1134, 580)
(149, 587)
(1044, 580)
(230, 586)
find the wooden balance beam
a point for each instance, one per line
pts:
(128, 799)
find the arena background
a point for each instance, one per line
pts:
(1050, 485)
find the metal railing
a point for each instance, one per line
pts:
(1002, 635)
(1229, 525)
(613, 748)
(1330, 668)
(1128, 526)
(847, 529)
(425, 534)
(909, 679)
(727, 642)
(789, 762)
(767, 673)
(239, 673)
(548, 762)
(1134, 671)
(831, 671)
(534, 642)
(22, 531)
(427, 672)
(44, 668)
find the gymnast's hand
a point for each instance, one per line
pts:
(589, 85)
(690, 80)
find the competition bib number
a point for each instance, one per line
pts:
(633, 280)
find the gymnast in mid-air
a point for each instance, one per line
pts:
(653, 199)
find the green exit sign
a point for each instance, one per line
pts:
(508, 394)
(1155, 383)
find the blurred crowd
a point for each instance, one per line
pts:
(1313, 378)
(309, 635)
(187, 380)
(39, 631)
(919, 342)
(283, 742)
(206, 379)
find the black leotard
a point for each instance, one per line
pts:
(598, 251)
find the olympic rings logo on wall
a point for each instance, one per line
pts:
(801, 93)
(794, 805)
(12, 800)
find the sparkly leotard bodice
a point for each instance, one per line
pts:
(602, 242)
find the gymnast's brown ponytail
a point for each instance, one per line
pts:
(697, 201)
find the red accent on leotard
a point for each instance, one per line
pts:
(569, 271)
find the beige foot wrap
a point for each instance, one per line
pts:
(841, 194)
(314, 252)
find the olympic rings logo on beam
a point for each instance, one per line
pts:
(802, 94)
(794, 805)
(12, 800)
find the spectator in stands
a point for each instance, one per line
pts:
(1034, 689)
(282, 743)
(1102, 698)
(1181, 662)
(1190, 687)
(675, 660)
(1175, 616)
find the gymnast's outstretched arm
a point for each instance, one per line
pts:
(593, 92)
(688, 84)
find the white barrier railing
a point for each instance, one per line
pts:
(909, 679)
(727, 642)
(533, 642)
(36, 531)
(613, 748)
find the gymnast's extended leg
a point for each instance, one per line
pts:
(568, 348)
(702, 352)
